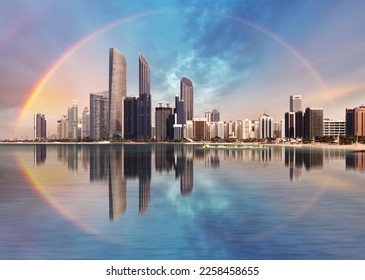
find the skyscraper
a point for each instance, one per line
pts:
(295, 103)
(144, 100)
(162, 117)
(99, 115)
(72, 117)
(85, 123)
(186, 95)
(117, 92)
(40, 126)
(313, 122)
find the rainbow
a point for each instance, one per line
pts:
(72, 49)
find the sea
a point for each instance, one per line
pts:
(181, 202)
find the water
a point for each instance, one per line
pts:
(138, 201)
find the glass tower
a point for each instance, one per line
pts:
(117, 92)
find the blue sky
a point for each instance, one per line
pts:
(244, 57)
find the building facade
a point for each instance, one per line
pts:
(334, 128)
(162, 116)
(313, 123)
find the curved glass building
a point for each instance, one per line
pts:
(186, 95)
(117, 92)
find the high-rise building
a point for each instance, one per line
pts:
(40, 126)
(186, 95)
(359, 121)
(117, 92)
(72, 118)
(355, 121)
(144, 100)
(290, 125)
(161, 118)
(85, 123)
(178, 119)
(313, 123)
(295, 103)
(215, 115)
(99, 115)
(266, 126)
(299, 124)
(130, 118)
(350, 117)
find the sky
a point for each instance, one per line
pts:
(244, 57)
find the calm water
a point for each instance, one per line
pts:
(180, 202)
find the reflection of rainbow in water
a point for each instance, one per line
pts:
(39, 187)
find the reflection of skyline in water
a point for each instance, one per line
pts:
(115, 165)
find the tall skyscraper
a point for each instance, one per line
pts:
(144, 100)
(162, 117)
(186, 95)
(99, 115)
(117, 92)
(40, 126)
(313, 122)
(85, 123)
(72, 117)
(295, 103)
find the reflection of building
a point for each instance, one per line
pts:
(99, 163)
(297, 158)
(117, 92)
(117, 183)
(40, 153)
(355, 161)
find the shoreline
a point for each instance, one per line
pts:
(358, 146)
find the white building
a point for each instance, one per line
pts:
(266, 127)
(334, 127)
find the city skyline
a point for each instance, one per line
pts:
(231, 52)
